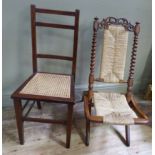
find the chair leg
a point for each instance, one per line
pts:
(87, 132)
(69, 125)
(19, 121)
(38, 104)
(127, 132)
(88, 129)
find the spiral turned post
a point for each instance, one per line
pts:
(133, 60)
(93, 56)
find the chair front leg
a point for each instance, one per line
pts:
(127, 132)
(69, 125)
(87, 132)
(88, 128)
(19, 120)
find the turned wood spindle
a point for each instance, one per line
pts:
(133, 60)
(93, 55)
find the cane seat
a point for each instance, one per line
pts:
(46, 84)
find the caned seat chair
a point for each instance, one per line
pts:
(46, 86)
(113, 107)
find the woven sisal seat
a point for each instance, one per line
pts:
(114, 108)
(48, 85)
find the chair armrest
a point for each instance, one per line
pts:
(143, 118)
(97, 119)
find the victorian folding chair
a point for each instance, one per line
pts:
(111, 107)
(44, 86)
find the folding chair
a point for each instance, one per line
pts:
(45, 86)
(113, 107)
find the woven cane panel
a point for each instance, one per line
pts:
(48, 85)
(114, 54)
(114, 108)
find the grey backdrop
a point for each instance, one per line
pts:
(17, 39)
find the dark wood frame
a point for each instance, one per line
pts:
(18, 97)
(143, 119)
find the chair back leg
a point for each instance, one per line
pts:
(38, 104)
(69, 125)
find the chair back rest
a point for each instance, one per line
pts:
(114, 54)
(115, 41)
(38, 54)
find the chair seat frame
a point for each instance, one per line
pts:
(142, 118)
(18, 98)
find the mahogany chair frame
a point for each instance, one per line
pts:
(142, 118)
(18, 98)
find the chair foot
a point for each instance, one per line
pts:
(87, 141)
(19, 121)
(21, 142)
(67, 146)
(127, 132)
(38, 104)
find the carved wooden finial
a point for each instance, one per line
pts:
(137, 28)
(96, 18)
(96, 24)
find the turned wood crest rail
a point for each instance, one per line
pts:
(115, 21)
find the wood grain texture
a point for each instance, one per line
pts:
(49, 139)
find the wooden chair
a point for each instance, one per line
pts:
(48, 87)
(110, 107)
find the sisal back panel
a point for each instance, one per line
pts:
(114, 54)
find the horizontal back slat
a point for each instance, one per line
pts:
(49, 56)
(36, 23)
(56, 12)
(59, 26)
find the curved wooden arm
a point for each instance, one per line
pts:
(97, 119)
(137, 108)
(141, 121)
(143, 118)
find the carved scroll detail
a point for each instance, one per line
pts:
(116, 21)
